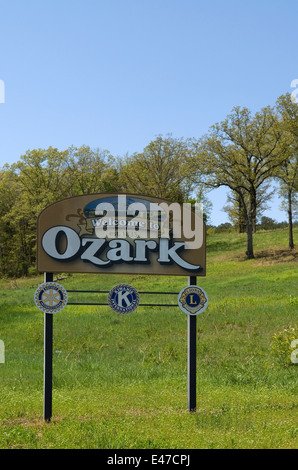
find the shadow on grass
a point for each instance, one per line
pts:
(229, 244)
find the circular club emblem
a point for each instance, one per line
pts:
(192, 300)
(123, 299)
(50, 297)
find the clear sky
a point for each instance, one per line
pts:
(114, 74)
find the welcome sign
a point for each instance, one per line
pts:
(121, 233)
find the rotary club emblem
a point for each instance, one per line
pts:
(50, 297)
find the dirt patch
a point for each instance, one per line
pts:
(272, 256)
(29, 423)
(267, 257)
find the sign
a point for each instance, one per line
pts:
(121, 233)
(50, 297)
(123, 299)
(192, 300)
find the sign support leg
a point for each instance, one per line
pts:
(48, 359)
(191, 355)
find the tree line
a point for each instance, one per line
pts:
(244, 153)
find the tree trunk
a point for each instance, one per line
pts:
(253, 209)
(242, 228)
(249, 230)
(241, 215)
(291, 239)
(254, 225)
(250, 222)
(247, 212)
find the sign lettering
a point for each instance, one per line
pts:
(125, 234)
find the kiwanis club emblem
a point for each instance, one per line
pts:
(50, 297)
(192, 300)
(123, 299)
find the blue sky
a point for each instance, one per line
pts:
(114, 74)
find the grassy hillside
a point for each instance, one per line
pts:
(121, 381)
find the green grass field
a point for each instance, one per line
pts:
(120, 382)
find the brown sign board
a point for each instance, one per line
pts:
(121, 233)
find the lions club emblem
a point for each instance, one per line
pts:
(192, 300)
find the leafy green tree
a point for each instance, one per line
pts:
(267, 223)
(205, 202)
(9, 246)
(235, 210)
(288, 171)
(39, 178)
(39, 174)
(90, 171)
(242, 152)
(161, 170)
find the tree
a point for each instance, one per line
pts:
(267, 223)
(205, 202)
(9, 244)
(40, 181)
(39, 178)
(288, 171)
(235, 209)
(90, 171)
(242, 152)
(41, 175)
(288, 191)
(161, 170)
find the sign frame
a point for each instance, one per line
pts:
(169, 253)
(69, 222)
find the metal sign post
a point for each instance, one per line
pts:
(48, 359)
(192, 300)
(192, 355)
